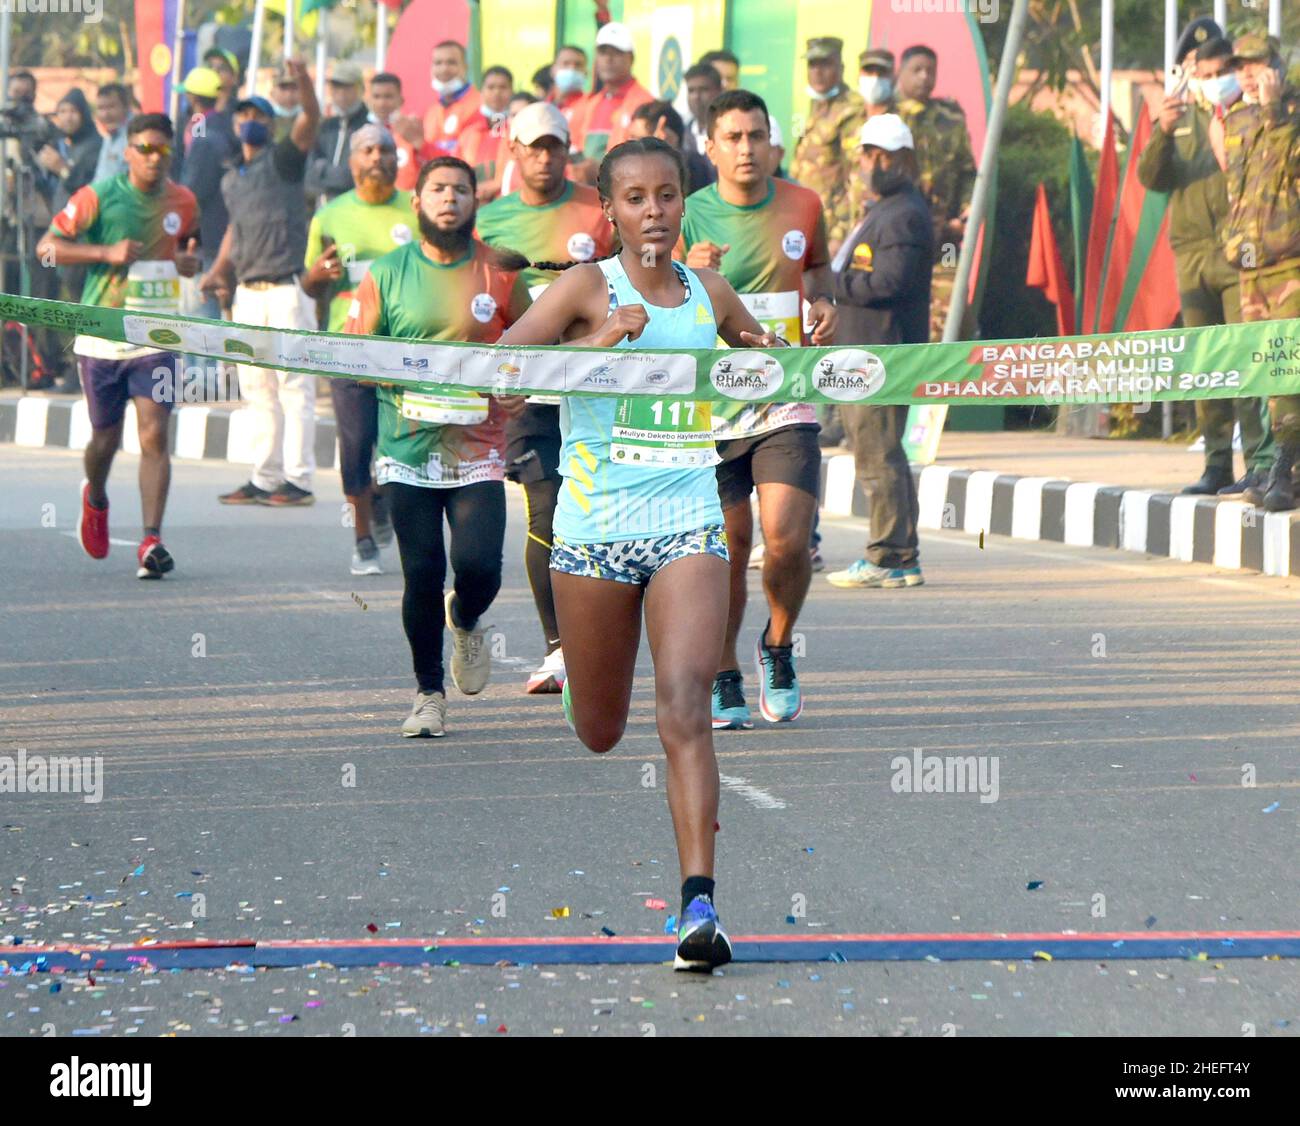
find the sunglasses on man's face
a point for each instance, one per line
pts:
(146, 149)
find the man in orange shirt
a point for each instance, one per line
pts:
(484, 144)
(385, 103)
(601, 120)
(457, 103)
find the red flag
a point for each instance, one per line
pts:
(1123, 242)
(1103, 212)
(1047, 268)
(1155, 302)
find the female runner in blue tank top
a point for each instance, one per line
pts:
(638, 524)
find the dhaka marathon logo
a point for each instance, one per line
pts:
(849, 374)
(747, 375)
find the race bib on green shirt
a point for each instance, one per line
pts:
(450, 408)
(652, 433)
(153, 287)
(776, 312)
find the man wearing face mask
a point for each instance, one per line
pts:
(285, 101)
(876, 80)
(1262, 147)
(260, 259)
(882, 294)
(823, 153)
(947, 171)
(569, 80)
(1180, 161)
(328, 172)
(456, 105)
(485, 145)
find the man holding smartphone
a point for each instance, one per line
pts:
(1180, 160)
(346, 235)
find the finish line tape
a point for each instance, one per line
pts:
(1218, 362)
(638, 950)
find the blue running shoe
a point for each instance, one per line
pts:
(779, 698)
(702, 944)
(730, 712)
(864, 575)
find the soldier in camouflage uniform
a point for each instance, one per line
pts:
(1179, 160)
(947, 172)
(828, 141)
(876, 85)
(1262, 150)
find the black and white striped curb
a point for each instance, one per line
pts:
(196, 431)
(1192, 529)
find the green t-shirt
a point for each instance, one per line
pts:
(571, 229)
(362, 232)
(772, 244)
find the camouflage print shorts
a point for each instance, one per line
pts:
(635, 561)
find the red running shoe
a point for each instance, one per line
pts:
(155, 560)
(92, 525)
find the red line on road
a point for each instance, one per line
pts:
(443, 943)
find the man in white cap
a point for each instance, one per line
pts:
(601, 120)
(552, 222)
(882, 294)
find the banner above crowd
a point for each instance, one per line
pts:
(1223, 361)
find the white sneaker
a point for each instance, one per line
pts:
(428, 716)
(365, 558)
(471, 663)
(549, 678)
(756, 558)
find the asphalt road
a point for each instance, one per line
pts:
(1123, 700)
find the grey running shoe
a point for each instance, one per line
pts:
(381, 520)
(471, 663)
(428, 716)
(365, 558)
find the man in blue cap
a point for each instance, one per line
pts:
(260, 259)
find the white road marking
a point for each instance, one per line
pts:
(120, 543)
(752, 794)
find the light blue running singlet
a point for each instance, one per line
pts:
(636, 468)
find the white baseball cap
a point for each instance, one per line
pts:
(537, 120)
(887, 131)
(615, 35)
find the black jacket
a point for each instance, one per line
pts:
(328, 173)
(882, 273)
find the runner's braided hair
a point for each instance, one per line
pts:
(641, 146)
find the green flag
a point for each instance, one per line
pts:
(1080, 221)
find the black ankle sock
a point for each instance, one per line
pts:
(696, 885)
(152, 532)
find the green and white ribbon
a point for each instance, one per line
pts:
(1220, 362)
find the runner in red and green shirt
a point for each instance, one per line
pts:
(440, 455)
(768, 239)
(344, 239)
(552, 222)
(136, 233)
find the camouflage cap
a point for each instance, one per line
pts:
(1254, 48)
(876, 56)
(826, 47)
